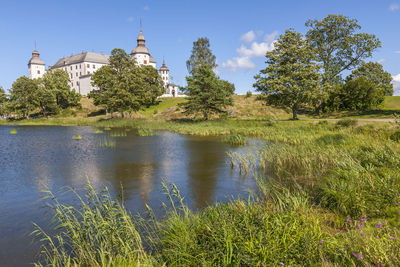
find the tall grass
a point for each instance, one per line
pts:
(328, 195)
(98, 233)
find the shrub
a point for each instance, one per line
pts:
(395, 136)
(249, 94)
(346, 123)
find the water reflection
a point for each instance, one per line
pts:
(39, 158)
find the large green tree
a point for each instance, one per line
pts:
(357, 94)
(291, 78)
(57, 82)
(201, 55)
(23, 100)
(207, 94)
(374, 71)
(123, 86)
(3, 102)
(339, 47)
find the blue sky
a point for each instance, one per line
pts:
(239, 31)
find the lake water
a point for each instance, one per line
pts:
(46, 157)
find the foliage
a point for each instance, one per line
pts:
(23, 99)
(249, 94)
(374, 71)
(357, 94)
(123, 86)
(201, 55)
(346, 123)
(57, 82)
(207, 94)
(291, 78)
(3, 102)
(338, 45)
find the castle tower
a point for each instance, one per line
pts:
(164, 73)
(36, 66)
(140, 53)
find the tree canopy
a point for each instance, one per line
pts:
(123, 86)
(338, 45)
(207, 94)
(357, 94)
(201, 55)
(57, 83)
(374, 71)
(23, 98)
(3, 101)
(291, 78)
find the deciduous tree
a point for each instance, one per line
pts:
(3, 102)
(23, 96)
(57, 82)
(291, 78)
(357, 94)
(339, 47)
(374, 71)
(123, 86)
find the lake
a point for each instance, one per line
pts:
(38, 158)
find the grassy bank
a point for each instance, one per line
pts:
(329, 195)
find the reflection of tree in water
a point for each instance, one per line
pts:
(203, 160)
(135, 176)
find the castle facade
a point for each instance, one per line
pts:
(81, 67)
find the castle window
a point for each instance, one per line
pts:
(145, 62)
(77, 83)
(71, 67)
(76, 74)
(94, 66)
(38, 72)
(76, 67)
(88, 72)
(88, 65)
(71, 75)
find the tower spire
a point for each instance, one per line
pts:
(140, 25)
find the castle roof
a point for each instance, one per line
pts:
(83, 57)
(152, 60)
(164, 67)
(36, 58)
(141, 45)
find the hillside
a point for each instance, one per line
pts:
(245, 108)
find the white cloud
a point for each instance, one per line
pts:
(248, 37)
(239, 63)
(382, 60)
(246, 53)
(396, 84)
(394, 7)
(130, 19)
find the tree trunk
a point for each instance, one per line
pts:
(205, 114)
(294, 110)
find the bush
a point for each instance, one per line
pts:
(395, 136)
(249, 94)
(346, 123)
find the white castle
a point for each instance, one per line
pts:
(81, 67)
